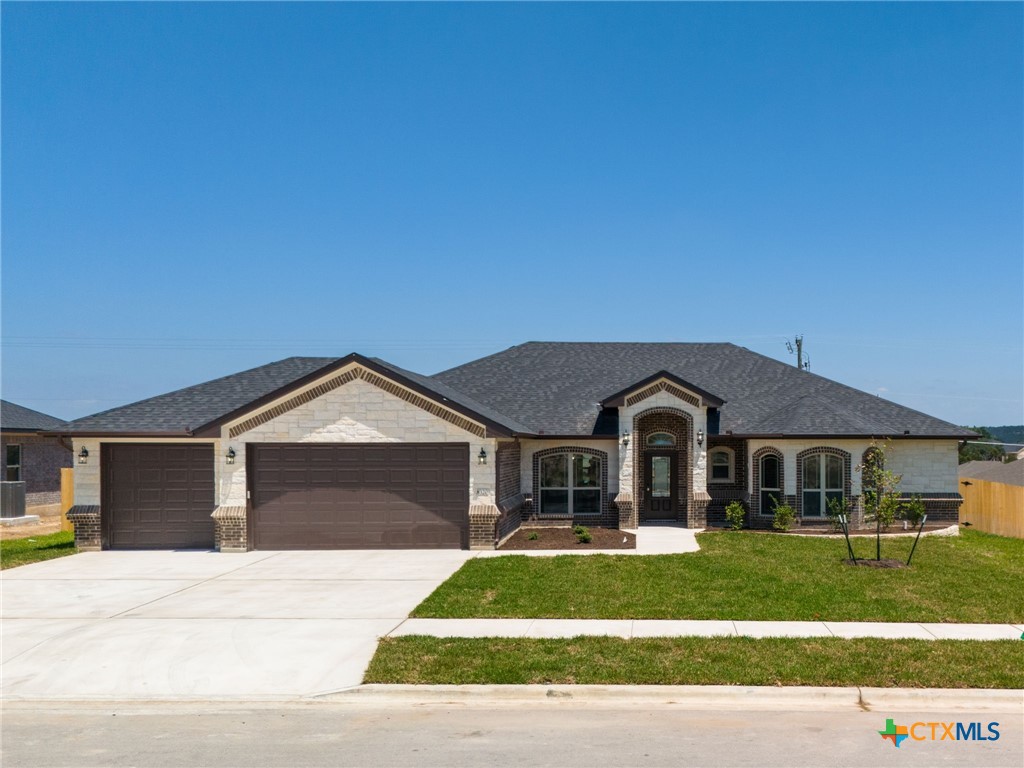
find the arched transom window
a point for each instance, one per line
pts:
(658, 439)
(570, 484)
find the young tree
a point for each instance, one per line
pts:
(882, 499)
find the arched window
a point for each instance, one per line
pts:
(659, 439)
(570, 484)
(771, 483)
(822, 482)
(721, 463)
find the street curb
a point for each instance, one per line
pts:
(686, 697)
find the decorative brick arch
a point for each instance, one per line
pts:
(678, 423)
(847, 473)
(755, 470)
(606, 510)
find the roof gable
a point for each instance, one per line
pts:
(662, 381)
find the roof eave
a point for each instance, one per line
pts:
(837, 435)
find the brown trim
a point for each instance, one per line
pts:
(570, 437)
(751, 436)
(619, 397)
(183, 433)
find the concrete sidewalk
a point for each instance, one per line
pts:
(630, 628)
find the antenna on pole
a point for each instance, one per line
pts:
(803, 362)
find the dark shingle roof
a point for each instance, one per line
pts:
(1011, 473)
(18, 418)
(192, 407)
(556, 388)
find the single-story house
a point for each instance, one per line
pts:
(354, 452)
(30, 456)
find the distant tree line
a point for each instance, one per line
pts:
(975, 452)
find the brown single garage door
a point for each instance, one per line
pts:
(360, 496)
(157, 496)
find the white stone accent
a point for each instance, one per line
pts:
(87, 476)
(698, 453)
(356, 412)
(529, 447)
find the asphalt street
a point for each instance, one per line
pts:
(549, 734)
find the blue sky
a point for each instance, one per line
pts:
(191, 190)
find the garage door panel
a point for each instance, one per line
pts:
(381, 495)
(157, 496)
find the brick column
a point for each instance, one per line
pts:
(86, 519)
(483, 526)
(627, 512)
(698, 517)
(230, 533)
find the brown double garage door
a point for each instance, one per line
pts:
(303, 496)
(359, 496)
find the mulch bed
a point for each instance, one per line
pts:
(564, 538)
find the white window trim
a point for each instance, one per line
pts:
(568, 457)
(732, 465)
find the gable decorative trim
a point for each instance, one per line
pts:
(352, 374)
(662, 386)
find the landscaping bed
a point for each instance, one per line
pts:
(974, 577)
(564, 538)
(829, 661)
(14, 552)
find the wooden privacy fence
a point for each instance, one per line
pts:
(67, 497)
(993, 507)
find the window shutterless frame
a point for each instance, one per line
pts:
(12, 462)
(570, 485)
(822, 482)
(721, 465)
(771, 486)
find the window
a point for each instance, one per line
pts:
(12, 471)
(658, 439)
(823, 482)
(771, 484)
(721, 462)
(570, 484)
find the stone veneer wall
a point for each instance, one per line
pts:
(42, 459)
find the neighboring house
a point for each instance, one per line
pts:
(1011, 473)
(30, 456)
(354, 452)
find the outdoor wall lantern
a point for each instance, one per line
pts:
(230, 456)
(625, 439)
(482, 456)
(700, 437)
(83, 455)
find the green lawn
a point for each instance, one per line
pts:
(15, 552)
(974, 577)
(701, 661)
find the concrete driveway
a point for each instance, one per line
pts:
(182, 625)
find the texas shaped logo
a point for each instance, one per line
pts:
(894, 733)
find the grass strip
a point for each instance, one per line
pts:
(14, 552)
(870, 662)
(971, 578)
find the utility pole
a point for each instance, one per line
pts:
(804, 365)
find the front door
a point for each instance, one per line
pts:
(660, 470)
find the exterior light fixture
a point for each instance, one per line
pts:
(83, 455)
(482, 456)
(700, 437)
(230, 456)
(625, 439)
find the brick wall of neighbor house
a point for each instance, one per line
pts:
(723, 493)
(356, 406)
(42, 458)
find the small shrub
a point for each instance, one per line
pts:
(913, 510)
(784, 517)
(735, 513)
(582, 534)
(533, 536)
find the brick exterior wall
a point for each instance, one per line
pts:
(88, 532)
(42, 459)
(736, 490)
(508, 488)
(230, 529)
